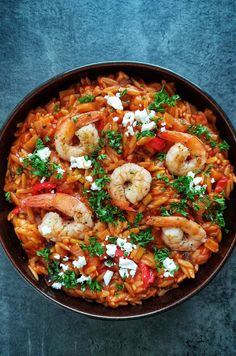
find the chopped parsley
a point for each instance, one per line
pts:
(138, 219)
(68, 279)
(100, 202)
(40, 167)
(214, 211)
(161, 98)
(94, 248)
(112, 239)
(75, 119)
(101, 182)
(175, 208)
(124, 92)
(53, 267)
(142, 238)
(183, 185)
(161, 156)
(86, 99)
(120, 286)
(47, 138)
(223, 146)
(94, 285)
(145, 133)
(208, 170)
(19, 170)
(163, 178)
(44, 253)
(114, 140)
(8, 197)
(56, 108)
(160, 255)
(201, 130)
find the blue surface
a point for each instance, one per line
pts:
(40, 39)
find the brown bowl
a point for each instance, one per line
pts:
(11, 244)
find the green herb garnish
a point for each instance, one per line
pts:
(114, 140)
(53, 267)
(142, 238)
(19, 170)
(8, 197)
(160, 255)
(56, 108)
(138, 219)
(161, 156)
(44, 253)
(145, 133)
(94, 248)
(86, 99)
(163, 178)
(47, 138)
(161, 98)
(119, 286)
(124, 92)
(214, 211)
(223, 146)
(68, 279)
(93, 285)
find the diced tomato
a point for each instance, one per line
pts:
(119, 252)
(41, 186)
(221, 184)
(148, 275)
(100, 125)
(16, 211)
(156, 143)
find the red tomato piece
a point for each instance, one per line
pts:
(157, 144)
(40, 186)
(148, 275)
(221, 184)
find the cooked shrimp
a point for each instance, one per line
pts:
(88, 118)
(130, 182)
(88, 136)
(177, 158)
(179, 233)
(53, 227)
(67, 204)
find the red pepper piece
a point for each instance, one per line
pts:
(221, 184)
(148, 275)
(40, 186)
(119, 252)
(157, 144)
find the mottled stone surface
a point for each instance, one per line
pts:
(42, 38)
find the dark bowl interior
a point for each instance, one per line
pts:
(10, 243)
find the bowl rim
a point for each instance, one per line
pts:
(110, 64)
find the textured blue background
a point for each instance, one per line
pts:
(39, 39)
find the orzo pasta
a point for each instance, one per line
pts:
(119, 189)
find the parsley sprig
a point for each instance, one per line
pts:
(94, 248)
(45, 252)
(142, 238)
(214, 210)
(40, 167)
(114, 140)
(145, 133)
(161, 98)
(86, 98)
(160, 255)
(68, 279)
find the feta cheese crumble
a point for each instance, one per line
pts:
(89, 179)
(57, 256)
(44, 153)
(56, 285)
(64, 267)
(42, 179)
(80, 162)
(111, 250)
(149, 126)
(170, 267)
(128, 118)
(94, 186)
(45, 230)
(127, 267)
(80, 262)
(114, 101)
(60, 170)
(125, 246)
(66, 258)
(115, 119)
(107, 277)
(83, 279)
